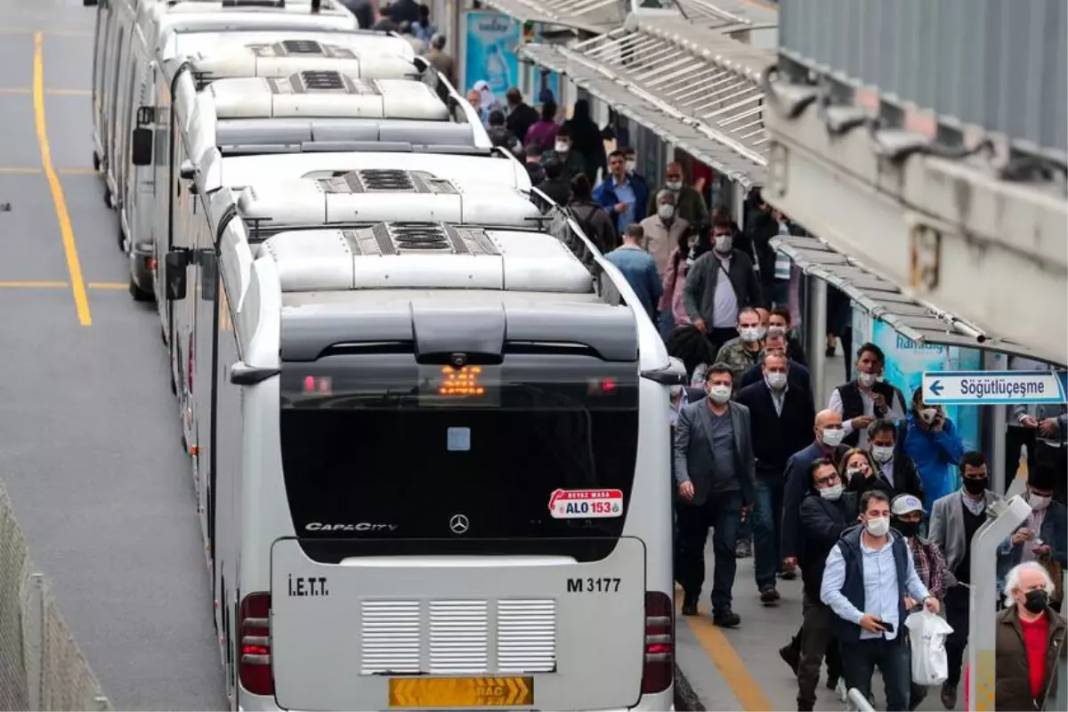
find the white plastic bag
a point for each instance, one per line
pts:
(927, 637)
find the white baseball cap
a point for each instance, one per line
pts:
(905, 503)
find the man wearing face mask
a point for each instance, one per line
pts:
(1044, 536)
(826, 512)
(954, 520)
(799, 375)
(714, 473)
(897, 474)
(826, 446)
(866, 398)
(1028, 642)
(689, 204)
(720, 284)
(780, 414)
(867, 579)
(931, 440)
(571, 160)
(906, 513)
(663, 229)
(743, 351)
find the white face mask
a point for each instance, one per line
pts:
(928, 415)
(833, 493)
(719, 394)
(776, 331)
(832, 437)
(776, 380)
(666, 211)
(673, 184)
(724, 243)
(749, 333)
(562, 146)
(878, 526)
(1038, 502)
(762, 331)
(866, 379)
(630, 166)
(882, 453)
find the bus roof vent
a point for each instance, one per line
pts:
(303, 47)
(383, 180)
(419, 236)
(318, 80)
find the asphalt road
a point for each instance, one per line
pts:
(89, 435)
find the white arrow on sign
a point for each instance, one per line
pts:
(992, 387)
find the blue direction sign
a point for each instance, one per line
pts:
(992, 387)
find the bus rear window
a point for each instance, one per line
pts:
(422, 466)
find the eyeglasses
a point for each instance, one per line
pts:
(828, 480)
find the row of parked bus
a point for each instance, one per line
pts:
(427, 422)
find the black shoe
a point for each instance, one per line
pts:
(949, 695)
(743, 549)
(768, 595)
(788, 575)
(726, 619)
(832, 681)
(830, 351)
(689, 606)
(790, 656)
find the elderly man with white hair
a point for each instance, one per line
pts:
(1030, 636)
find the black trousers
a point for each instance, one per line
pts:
(957, 610)
(721, 512)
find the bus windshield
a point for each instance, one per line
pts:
(425, 458)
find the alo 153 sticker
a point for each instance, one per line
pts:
(586, 504)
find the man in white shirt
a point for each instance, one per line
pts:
(870, 583)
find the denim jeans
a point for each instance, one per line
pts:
(722, 512)
(767, 523)
(860, 658)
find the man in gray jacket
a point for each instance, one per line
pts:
(719, 284)
(715, 474)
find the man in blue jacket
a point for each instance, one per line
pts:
(639, 269)
(623, 195)
(931, 440)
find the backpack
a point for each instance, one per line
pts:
(586, 222)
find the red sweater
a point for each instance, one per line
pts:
(1036, 637)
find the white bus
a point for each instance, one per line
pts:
(439, 467)
(315, 110)
(128, 40)
(337, 191)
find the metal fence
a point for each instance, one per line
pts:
(41, 667)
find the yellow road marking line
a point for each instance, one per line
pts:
(745, 687)
(57, 284)
(34, 284)
(81, 300)
(19, 170)
(19, 91)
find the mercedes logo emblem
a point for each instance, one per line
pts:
(459, 523)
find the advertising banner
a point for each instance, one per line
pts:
(489, 52)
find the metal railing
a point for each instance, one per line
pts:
(41, 667)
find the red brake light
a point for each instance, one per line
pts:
(608, 385)
(659, 670)
(254, 630)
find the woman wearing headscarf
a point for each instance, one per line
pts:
(489, 100)
(586, 139)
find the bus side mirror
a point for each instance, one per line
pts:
(142, 147)
(241, 374)
(176, 262)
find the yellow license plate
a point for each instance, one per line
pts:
(461, 691)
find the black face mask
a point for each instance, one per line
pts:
(975, 485)
(907, 529)
(1037, 601)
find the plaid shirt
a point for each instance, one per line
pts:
(930, 565)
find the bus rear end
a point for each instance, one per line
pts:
(475, 519)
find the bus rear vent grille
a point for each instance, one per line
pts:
(419, 236)
(303, 47)
(322, 80)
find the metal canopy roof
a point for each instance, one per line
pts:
(883, 300)
(692, 86)
(594, 16)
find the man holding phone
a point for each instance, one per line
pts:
(867, 578)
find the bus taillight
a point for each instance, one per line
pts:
(659, 669)
(255, 632)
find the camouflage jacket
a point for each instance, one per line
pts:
(740, 359)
